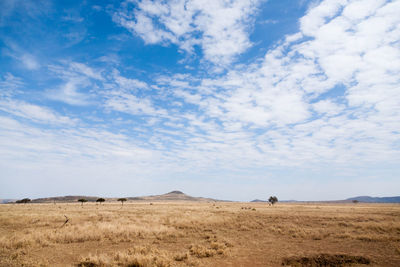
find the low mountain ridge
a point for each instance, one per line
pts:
(258, 200)
(7, 200)
(180, 196)
(368, 199)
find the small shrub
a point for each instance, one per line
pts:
(181, 257)
(201, 251)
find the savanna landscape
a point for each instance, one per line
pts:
(184, 233)
(280, 118)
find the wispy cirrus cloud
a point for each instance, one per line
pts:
(34, 113)
(29, 61)
(29, 9)
(9, 84)
(77, 79)
(25, 58)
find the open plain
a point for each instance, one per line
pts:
(199, 234)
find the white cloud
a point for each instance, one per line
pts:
(128, 84)
(358, 10)
(75, 36)
(28, 8)
(321, 96)
(344, 71)
(220, 28)
(72, 16)
(26, 59)
(68, 92)
(78, 80)
(328, 107)
(122, 94)
(85, 70)
(129, 103)
(9, 84)
(318, 15)
(37, 146)
(34, 112)
(110, 59)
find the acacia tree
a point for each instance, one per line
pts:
(272, 200)
(122, 200)
(82, 200)
(24, 200)
(100, 200)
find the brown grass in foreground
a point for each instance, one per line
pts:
(200, 234)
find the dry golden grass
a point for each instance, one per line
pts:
(198, 234)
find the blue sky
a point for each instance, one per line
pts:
(226, 99)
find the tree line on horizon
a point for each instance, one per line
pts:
(272, 200)
(101, 200)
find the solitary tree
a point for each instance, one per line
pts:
(122, 200)
(82, 200)
(100, 200)
(273, 200)
(355, 201)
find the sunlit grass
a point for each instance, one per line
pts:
(188, 234)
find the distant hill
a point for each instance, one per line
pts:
(171, 196)
(258, 200)
(63, 199)
(7, 200)
(369, 199)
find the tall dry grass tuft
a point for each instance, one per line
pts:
(137, 256)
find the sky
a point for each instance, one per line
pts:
(230, 99)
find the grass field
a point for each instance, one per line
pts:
(199, 234)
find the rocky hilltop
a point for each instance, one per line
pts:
(171, 196)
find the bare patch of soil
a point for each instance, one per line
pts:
(325, 260)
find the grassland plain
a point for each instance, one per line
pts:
(199, 234)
